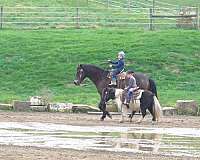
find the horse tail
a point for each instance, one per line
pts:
(157, 108)
(153, 88)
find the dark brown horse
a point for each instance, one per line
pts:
(101, 79)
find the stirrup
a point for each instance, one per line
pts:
(122, 70)
(113, 83)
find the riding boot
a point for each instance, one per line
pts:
(113, 82)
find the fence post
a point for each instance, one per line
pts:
(107, 3)
(129, 5)
(197, 12)
(77, 18)
(151, 19)
(87, 3)
(77, 3)
(153, 6)
(1, 17)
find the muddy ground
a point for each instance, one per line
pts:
(32, 153)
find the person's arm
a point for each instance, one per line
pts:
(114, 62)
(130, 83)
(134, 84)
(119, 64)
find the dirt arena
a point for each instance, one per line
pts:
(33, 153)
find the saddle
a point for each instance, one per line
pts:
(137, 94)
(120, 79)
(121, 76)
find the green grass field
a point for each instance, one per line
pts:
(31, 61)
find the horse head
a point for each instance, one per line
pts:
(80, 75)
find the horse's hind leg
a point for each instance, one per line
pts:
(143, 110)
(151, 110)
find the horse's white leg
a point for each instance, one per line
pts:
(119, 104)
(154, 122)
(123, 113)
(120, 108)
(122, 116)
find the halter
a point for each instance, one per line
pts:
(81, 73)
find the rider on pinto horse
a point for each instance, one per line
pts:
(131, 87)
(118, 67)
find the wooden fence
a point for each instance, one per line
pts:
(1, 17)
(80, 17)
(185, 17)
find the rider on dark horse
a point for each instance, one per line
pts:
(118, 67)
(129, 90)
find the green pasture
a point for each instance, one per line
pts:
(32, 61)
(39, 60)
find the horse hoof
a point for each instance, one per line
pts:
(138, 122)
(110, 116)
(121, 121)
(153, 123)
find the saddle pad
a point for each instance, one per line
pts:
(135, 105)
(138, 94)
(122, 76)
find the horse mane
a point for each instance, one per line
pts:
(90, 67)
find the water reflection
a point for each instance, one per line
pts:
(133, 141)
(173, 141)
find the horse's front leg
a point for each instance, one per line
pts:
(131, 116)
(108, 114)
(102, 108)
(123, 113)
(120, 109)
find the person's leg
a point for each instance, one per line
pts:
(114, 76)
(129, 95)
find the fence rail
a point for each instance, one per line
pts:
(34, 17)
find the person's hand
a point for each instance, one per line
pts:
(110, 65)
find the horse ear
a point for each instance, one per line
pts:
(79, 66)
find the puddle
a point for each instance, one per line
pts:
(166, 141)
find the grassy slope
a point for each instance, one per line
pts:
(33, 60)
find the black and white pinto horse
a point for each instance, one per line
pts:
(145, 101)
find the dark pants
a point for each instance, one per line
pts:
(129, 95)
(115, 72)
